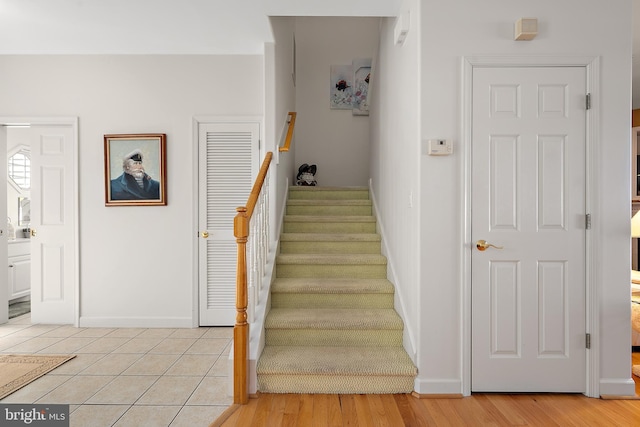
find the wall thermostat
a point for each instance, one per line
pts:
(440, 147)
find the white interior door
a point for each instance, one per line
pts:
(528, 196)
(228, 166)
(53, 224)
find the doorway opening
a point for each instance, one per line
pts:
(18, 219)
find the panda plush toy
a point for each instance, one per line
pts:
(306, 175)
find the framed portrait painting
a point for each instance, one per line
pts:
(135, 169)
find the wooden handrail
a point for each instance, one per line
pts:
(241, 328)
(257, 185)
(292, 125)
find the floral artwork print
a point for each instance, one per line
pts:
(361, 77)
(341, 87)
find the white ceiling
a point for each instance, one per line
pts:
(132, 27)
(179, 26)
(158, 26)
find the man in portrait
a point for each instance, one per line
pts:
(134, 183)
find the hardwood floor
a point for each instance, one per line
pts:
(635, 360)
(481, 409)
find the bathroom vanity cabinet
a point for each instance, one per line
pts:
(19, 268)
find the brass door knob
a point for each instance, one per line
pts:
(482, 245)
(33, 232)
(205, 234)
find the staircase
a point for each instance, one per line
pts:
(332, 327)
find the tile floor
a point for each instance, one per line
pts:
(126, 376)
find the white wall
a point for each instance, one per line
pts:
(136, 263)
(280, 94)
(331, 7)
(334, 140)
(443, 32)
(636, 55)
(452, 29)
(395, 163)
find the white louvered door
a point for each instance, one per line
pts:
(228, 165)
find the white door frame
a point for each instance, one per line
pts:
(592, 66)
(73, 122)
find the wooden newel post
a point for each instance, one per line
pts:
(241, 328)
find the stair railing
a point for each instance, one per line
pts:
(251, 230)
(290, 125)
(252, 236)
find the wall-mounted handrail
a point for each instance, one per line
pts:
(291, 121)
(242, 225)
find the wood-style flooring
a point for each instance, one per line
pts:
(635, 360)
(480, 409)
(398, 410)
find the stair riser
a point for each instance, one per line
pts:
(329, 210)
(312, 247)
(294, 300)
(333, 338)
(330, 227)
(328, 195)
(333, 271)
(328, 384)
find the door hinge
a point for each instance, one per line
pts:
(587, 221)
(588, 340)
(588, 102)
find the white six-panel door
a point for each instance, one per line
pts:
(53, 223)
(228, 156)
(528, 197)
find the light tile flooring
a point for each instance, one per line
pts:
(125, 376)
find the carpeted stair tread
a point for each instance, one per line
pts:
(330, 237)
(334, 193)
(332, 286)
(331, 259)
(317, 188)
(333, 318)
(358, 361)
(336, 243)
(329, 218)
(334, 202)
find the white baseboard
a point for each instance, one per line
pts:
(135, 322)
(408, 335)
(441, 386)
(253, 375)
(617, 387)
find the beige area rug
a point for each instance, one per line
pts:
(636, 370)
(18, 370)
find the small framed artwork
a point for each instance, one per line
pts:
(135, 169)
(341, 87)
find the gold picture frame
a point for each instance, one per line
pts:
(135, 169)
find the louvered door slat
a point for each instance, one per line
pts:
(228, 163)
(229, 176)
